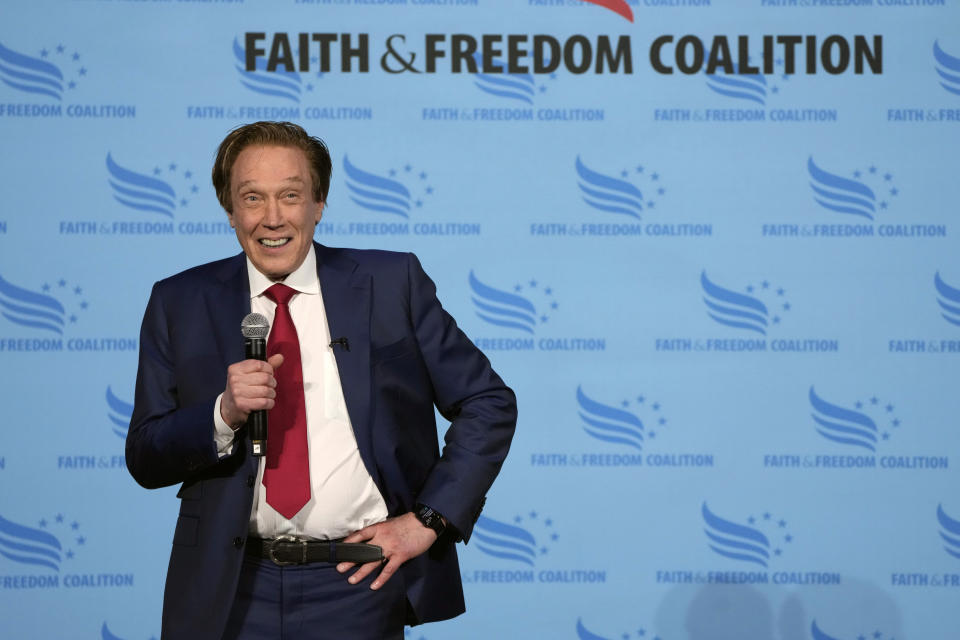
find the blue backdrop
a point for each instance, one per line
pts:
(729, 303)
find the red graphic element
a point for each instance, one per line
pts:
(617, 6)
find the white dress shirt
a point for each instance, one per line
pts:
(343, 496)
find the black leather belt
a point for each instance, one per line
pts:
(288, 550)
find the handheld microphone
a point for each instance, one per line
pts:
(255, 328)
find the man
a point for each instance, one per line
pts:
(352, 464)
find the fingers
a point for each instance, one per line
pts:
(275, 360)
(250, 387)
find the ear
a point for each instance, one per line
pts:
(233, 224)
(318, 213)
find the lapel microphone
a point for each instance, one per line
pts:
(255, 328)
(343, 342)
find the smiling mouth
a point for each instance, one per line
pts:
(279, 242)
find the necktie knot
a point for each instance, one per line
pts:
(280, 293)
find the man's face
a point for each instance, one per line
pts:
(273, 209)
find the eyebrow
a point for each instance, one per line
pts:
(290, 179)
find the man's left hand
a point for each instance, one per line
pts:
(401, 538)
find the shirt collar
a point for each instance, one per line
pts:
(304, 278)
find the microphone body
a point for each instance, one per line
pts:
(255, 329)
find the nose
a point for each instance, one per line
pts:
(272, 217)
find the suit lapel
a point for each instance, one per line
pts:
(346, 301)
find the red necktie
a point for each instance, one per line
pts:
(287, 472)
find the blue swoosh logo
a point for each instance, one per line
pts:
(606, 193)
(32, 75)
(949, 300)
(105, 633)
(27, 545)
(948, 68)
(512, 86)
(735, 541)
(733, 309)
(949, 531)
(747, 86)
(31, 309)
(505, 541)
(584, 634)
(608, 423)
(139, 191)
(502, 308)
(842, 425)
(376, 193)
(278, 84)
(840, 194)
(817, 634)
(119, 413)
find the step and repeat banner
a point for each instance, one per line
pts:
(712, 244)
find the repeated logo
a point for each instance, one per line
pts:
(119, 413)
(43, 319)
(627, 431)
(521, 319)
(521, 552)
(150, 198)
(945, 72)
(107, 634)
(752, 314)
(48, 554)
(43, 81)
(394, 202)
(286, 94)
(817, 634)
(620, 202)
(948, 527)
(856, 431)
(854, 204)
(584, 633)
(949, 531)
(751, 545)
(947, 298)
(749, 87)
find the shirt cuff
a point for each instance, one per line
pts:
(222, 433)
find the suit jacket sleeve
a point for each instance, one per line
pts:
(171, 433)
(467, 391)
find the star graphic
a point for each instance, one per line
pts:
(555, 536)
(73, 319)
(82, 71)
(639, 168)
(625, 403)
(889, 408)
(780, 291)
(543, 319)
(423, 175)
(786, 306)
(407, 168)
(183, 202)
(392, 172)
(548, 522)
(661, 191)
(84, 304)
(774, 89)
(651, 434)
(429, 190)
(750, 288)
(782, 524)
(75, 56)
(896, 422)
(71, 85)
(650, 204)
(75, 525)
(59, 518)
(518, 519)
(656, 406)
(624, 173)
(157, 171)
(887, 177)
(874, 400)
(654, 176)
(548, 291)
(533, 515)
(640, 399)
(751, 520)
(60, 48)
(194, 189)
(172, 167)
(777, 552)
(856, 174)
(858, 405)
(517, 288)
(872, 169)
(43, 523)
(81, 540)
(46, 287)
(62, 283)
(894, 191)
(766, 516)
(188, 174)
(765, 284)
(533, 283)
(662, 421)
(776, 319)
(788, 538)
(886, 436)
(70, 555)
(883, 204)
(419, 203)
(43, 53)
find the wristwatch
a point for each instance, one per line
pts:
(429, 518)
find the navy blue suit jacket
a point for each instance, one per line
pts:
(406, 356)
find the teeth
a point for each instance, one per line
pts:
(274, 243)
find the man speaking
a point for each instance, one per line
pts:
(346, 527)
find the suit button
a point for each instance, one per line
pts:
(251, 480)
(238, 542)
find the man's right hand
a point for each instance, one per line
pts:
(250, 387)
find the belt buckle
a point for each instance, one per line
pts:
(272, 550)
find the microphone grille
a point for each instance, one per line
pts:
(255, 325)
